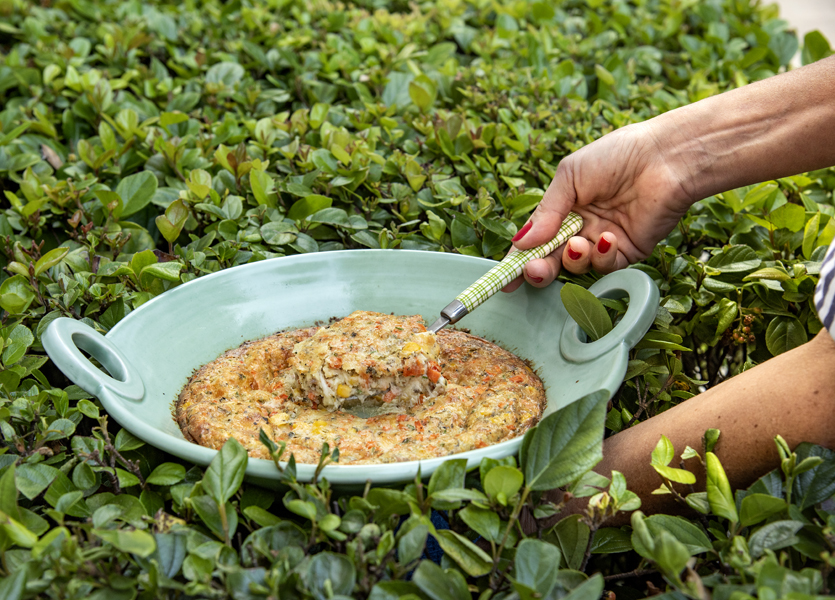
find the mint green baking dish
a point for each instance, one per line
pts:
(153, 351)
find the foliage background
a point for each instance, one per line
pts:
(143, 144)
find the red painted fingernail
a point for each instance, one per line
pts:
(603, 245)
(535, 279)
(521, 233)
(573, 254)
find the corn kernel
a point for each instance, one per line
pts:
(343, 391)
(410, 348)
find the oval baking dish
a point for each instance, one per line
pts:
(153, 351)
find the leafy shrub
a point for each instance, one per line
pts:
(143, 145)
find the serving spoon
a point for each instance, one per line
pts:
(503, 273)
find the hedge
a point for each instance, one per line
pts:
(144, 144)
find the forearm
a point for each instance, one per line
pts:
(773, 128)
(792, 395)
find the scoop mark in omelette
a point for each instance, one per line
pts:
(367, 357)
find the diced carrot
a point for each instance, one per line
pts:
(412, 368)
(388, 396)
(517, 379)
(335, 362)
(434, 373)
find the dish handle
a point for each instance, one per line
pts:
(643, 305)
(62, 340)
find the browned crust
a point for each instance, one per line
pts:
(493, 396)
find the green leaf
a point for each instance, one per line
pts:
(439, 584)
(8, 493)
(758, 507)
(770, 273)
(661, 341)
(610, 540)
(485, 522)
(663, 453)
(735, 259)
(261, 516)
(449, 475)
(719, 493)
(263, 187)
(32, 479)
(784, 334)
(572, 537)
(136, 192)
(169, 271)
(710, 439)
(670, 555)
(535, 566)
(171, 118)
(138, 542)
(422, 91)
(788, 216)
(565, 444)
(226, 471)
(810, 235)
(604, 75)
(307, 206)
(773, 536)
(694, 539)
(815, 47)
(318, 114)
(393, 590)
(817, 484)
(50, 259)
(278, 233)
(167, 474)
(472, 559)
(410, 547)
(125, 441)
(585, 308)
(590, 589)
(16, 294)
(14, 586)
(676, 475)
(226, 73)
(503, 483)
(18, 342)
(330, 571)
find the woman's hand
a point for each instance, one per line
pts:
(629, 195)
(633, 185)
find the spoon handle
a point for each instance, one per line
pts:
(503, 273)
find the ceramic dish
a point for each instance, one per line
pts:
(152, 352)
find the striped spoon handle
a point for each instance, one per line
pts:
(503, 273)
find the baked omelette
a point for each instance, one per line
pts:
(288, 384)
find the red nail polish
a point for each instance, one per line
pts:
(521, 233)
(573, 254)
(603, 245)
(535, 279)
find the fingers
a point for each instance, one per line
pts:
(581, 256)
(543, 271)
(539, 272)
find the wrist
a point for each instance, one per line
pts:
(766, 130)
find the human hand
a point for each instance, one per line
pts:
(629, 195)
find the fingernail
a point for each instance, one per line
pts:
(521, 233)
(535, 279)
(573, 254)
(603, 245)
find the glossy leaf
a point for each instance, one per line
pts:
(565, 444)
